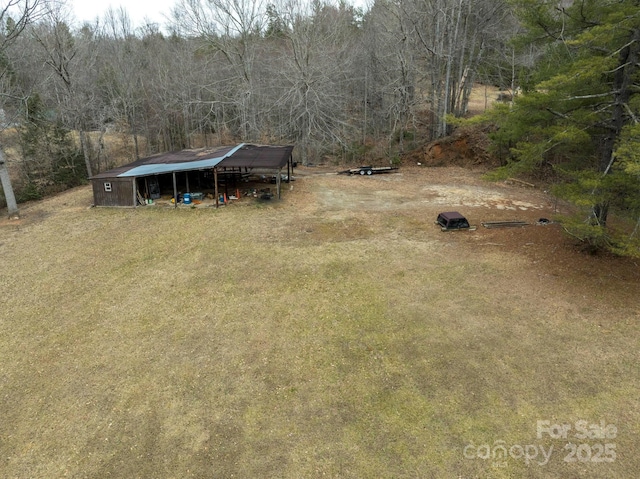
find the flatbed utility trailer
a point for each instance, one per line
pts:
(504, 224)
(368, 170)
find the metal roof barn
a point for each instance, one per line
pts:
(120, 186)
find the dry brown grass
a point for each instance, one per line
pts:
(337, 333)
(482, 97)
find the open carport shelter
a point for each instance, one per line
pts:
(130, 184)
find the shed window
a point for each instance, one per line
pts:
(107, 186)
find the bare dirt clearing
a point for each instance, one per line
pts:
(336, 333)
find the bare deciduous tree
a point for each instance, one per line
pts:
(437, 46)
(315, 76)
(72, 64)
(232, 29)
(15, 15)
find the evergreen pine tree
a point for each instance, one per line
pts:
(580, 116)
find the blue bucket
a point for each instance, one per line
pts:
(186, 198)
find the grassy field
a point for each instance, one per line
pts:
(337, 333)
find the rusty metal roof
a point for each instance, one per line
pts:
(239, 156)
(258, 157)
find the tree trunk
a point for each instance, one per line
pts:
(12, 206)
(136, 147)
(623, 82)
(600, 213)
(85, 152)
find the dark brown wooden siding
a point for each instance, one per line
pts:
(121, 193)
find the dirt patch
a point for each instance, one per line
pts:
(407, 203)
(479, 196)
(466, 147)
(432, 188)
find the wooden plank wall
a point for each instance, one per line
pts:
(121, 193)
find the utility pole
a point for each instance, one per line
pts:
(12, 206)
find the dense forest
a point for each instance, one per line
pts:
(327, 77)
(336, 81)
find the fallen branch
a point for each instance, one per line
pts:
(521, 182)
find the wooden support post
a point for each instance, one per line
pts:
(175, 191)
(135, 191)
(215, 182)
(289, 169)
(278, 181)
(187, 176)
